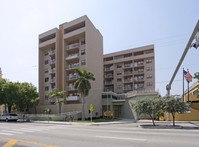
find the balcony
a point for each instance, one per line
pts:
(128, 66)
(72, 66)
(109, 68)
(128, 80)
(72, 46)
(138, 79)
(128, 73)
(51, 62)
(128, 87)
(108, 82)
(72, 77)
(108, 89)
(51, 52)
(72, 56)
(139, 64)
(70, 88)
(53, 100)
(109, 76)
(139, 87)
(52, 71)
(53, 80)
(139, 71)
(72, 98)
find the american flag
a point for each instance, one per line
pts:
(187, 76)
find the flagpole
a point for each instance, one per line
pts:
(183, 83)
(188, 86)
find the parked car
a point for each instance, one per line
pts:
(9, 117)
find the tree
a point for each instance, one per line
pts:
(174, 105)
(28, 93)
(11, 91)
(58, 95)
(83, 85)
(35, 102)
(149, 106)
(2, 93)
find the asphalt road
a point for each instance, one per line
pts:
(116, 135)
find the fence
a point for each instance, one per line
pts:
(68, 116)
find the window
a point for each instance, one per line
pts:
(46, 53)
(119, 80)
(148, 76)
(119, 66)
(83, 62)
(46, 61)
(47, 79)
(149, 61)
(83, 42)
(46, 97)
(83, 52)
(119, 86)
(46, 88)
(149, 68)
(46, 71)
(119, 73)
(149, 84)
(195, 92)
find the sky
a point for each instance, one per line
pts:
(124, 24)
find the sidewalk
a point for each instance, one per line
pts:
(134, 123)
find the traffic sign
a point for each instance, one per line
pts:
(91, 107)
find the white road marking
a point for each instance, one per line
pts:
(108, 137)
(5, 133)
(22, 130)
(12, 131)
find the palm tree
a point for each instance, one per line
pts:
(83, 85)
(58, 95)
(35, 102)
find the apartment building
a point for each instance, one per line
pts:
(74, 44)
(130, 70)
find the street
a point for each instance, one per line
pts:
(19, 134)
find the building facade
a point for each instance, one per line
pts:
(75, 44)
(130, 70)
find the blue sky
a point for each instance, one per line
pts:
(126, 24)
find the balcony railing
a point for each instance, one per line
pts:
(138, 64)
(51, 52)
(52, 71)
(108, 89)
(72, 98)
(52, 80)
(128, 73)
(52, 100)
(128, 65)
(72, 77)
(72, 46)
(128, 88)
(138, 79)
(138, 71)
(72, 56)
(72, 66)
(109, 76)
(52, 61)
(128, 80)
(109, 68)
(109, 83)
(70, 88)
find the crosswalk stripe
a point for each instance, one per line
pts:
(12, 131)
(5, 133)
(22, 130)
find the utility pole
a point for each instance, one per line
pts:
(195, 35)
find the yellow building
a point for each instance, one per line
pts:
(193, 114)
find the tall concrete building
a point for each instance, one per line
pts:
(130, 70)
(74, 44)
